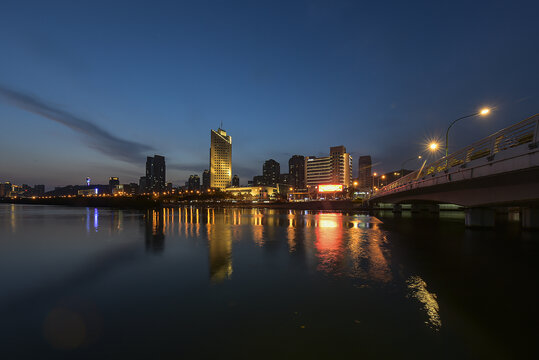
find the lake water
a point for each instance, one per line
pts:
(262, 283)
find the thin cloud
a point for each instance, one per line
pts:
(94, 136)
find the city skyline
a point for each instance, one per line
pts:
(75, 102)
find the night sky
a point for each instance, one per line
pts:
(90, 88)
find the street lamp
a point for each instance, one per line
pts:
(405, 161)
(482, 112)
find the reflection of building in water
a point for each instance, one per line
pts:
(369, 259)
(155, 230)
(418, 290)
(220, 251)
(329, 236)
(258, 227)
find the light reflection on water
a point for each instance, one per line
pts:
(272, 272)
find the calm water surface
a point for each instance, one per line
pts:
(261, 283)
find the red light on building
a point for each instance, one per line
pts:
(329, 188)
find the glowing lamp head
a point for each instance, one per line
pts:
(433, 146)
(484, 111)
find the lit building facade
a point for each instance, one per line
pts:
(220, 159)
(333, 169)
(260, 192)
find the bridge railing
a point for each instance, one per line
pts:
(524, 132)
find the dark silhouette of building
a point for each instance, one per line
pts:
(39, 190)
(5, 189)
(258, 180)
(271, 172)
(155, 231)
(236, 181)
(131, 188)
(113, 181)
(155, 173)
(143, 184)
(193, 183)
(296, 171)
(365, 176)
(206, 180)
(284, 179)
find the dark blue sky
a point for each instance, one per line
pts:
(89, 88)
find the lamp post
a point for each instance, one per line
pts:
(405, 161)
(483, 112)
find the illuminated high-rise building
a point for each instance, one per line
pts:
(333, 169)
(220, 159)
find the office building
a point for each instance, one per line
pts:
(259, 180)
(155, 173)
(284, 179)
(113, 181)
(365, 175)
(143, 184)
(220, 159)
(296, 172)
(5, 189)
(206, 180)
(271, 172)
(193, 183)
(333, 169)
(236, 181)
(39, 190)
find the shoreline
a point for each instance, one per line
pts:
(148, 203)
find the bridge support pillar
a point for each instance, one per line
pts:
(397, 208)
(530, 218)
(480, 217)
(432, 208)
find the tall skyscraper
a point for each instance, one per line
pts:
(206, 180)
(296, 171)
(155, 173)
(365, 168)
(220, 159)
(271, 172)
(341, 165)
(333, 169)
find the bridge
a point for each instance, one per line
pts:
(501, 170)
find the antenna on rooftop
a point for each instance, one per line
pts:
(221, 125)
